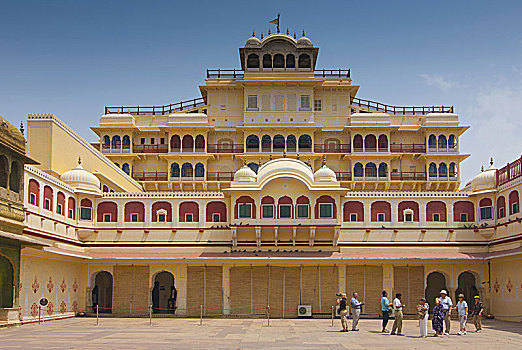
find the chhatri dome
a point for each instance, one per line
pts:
(245, 174)
(324, 174)
(81, 179)
(486, 180)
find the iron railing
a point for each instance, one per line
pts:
(156, 110)
(400, 110)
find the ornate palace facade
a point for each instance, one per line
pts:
(278, 186)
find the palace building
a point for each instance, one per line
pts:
(277, 187)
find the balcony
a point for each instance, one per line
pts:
(440, 149)
(150, 148)
(408, 176)
(239, 74)
(150, 176)
(187, 178)
(399, 110)
(333, 148)
(332, 73)
(408, 148)
(344, 176)
(107, 149)
(156, 110)
(225, 148)
(509, 172)
(220, 176)
(357, 149)
(450, 177)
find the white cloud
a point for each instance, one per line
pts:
(439, 81)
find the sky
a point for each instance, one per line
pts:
(72, 58)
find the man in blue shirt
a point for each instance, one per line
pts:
(356, 311)
(385, 308)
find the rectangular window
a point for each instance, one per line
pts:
(189, 218)
(279, 103)
(325, 210)
(485, 213)
(162, 141)
(463, 217)
(285, 211)
(436, 217)
(70, 214)
(408, 217)
(302, 211)
(291, 102)
(380, 217)
(59, 209)
(245, 210)
(268, 211)
(32, 198)
(252, 103)
(85, 213)
(501, 212)
(318, 105)
(515, 208)
(162, 218)
(134, 217)
(47, 204)
(353, 217)
(142, 140)
(305, 103)
(216, 217)
(152, 141)
(106, 217)
(265, 102)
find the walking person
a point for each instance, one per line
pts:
(355, 305)
(478, 308)
(385, 308)
(462, 309)
(397, 308)
(343, 311)
(447, 305)
(438, 317)
(423, 313)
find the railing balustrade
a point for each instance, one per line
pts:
(337, 148)
(509, 172)
(150, 148)
(225, 148)
(156, 110)
(407, 176)
(400, 110)
(408, 148)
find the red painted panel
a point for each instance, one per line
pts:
(161, 205)
(501, 204)
(485, 202)
(48, 194)
(86, 203)
(408, 205)
(353, 207)
(134, 208)
(60, 199)
(303, 200)
(34, 187)
(267, 200)
(217, 208)
(436, 207)
(71, 204)
(241, 200)
(325, 199)
(380, 207)
(513, 199)
(189, 208)
(463, 207)
(107, 208)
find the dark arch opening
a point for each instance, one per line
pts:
(279, 61)
(290, 61)
(164, 293)
(7, 281)
(435, 282)
(14, 178)
(467, 286)
(102, 292)
(267, 61)
(304, 61)
(253, 61)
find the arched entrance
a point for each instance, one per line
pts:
(6, 283)
(164, 293)
(435, 282)
(467, 286)
(102, 292)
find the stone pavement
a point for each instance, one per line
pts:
(177, 333)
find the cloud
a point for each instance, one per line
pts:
(439, 81)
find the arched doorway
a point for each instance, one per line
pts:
(6, 283)
(466, 286)
(164, 293)
(102, 292)
(435, 282)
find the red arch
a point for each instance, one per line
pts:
(485, 202)
(463, 207)
(501, 204)
(60, 200)
(358, 141)
(175, 143)
(370, 142)
(267, 200)
(244, 199)
(383, 142)
(71, 205)
(200, 142)
(408, 205)
(134, 208)
(189, 208)
(187, 143)
(86, 203)
(107, 208)
(161, 205)
(325, 199)
(287, 201)
(353, 207)
(380, 207)
(34, 188)
(48, 194)
(436, 207)
(514, 200)
(216, 207)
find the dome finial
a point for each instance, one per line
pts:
(324, 160)
(303, 33)
(261, 35)
(482, 168)
(287, 32)
(253, 33)
(271, 156)
(259, 162)
(22, 127)
(244, 161)
(79, 160)
(269, 32)
(295, 36)
(491, 161)
(284, 153)
(297, 156)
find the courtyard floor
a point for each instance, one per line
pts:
(176, 333)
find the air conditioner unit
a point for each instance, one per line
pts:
(304, 311)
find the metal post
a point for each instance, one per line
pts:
(150, 315)
(39, 314)
(97, 314)
(333, 312)
(201, 315)
(268, 314)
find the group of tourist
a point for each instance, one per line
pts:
(441, 313)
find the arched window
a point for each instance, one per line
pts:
(452, 170)
(174, 170)
(252, 142)
(107, 212)
(279, 61)
(126, 142)
(34, 192)
(463, 211)
(291, 143)
(267, 61)
(3, 171)
(380, 211)
(134, 212)
(266, 143)
(501, 207)
(302, 207)
(486, 206)
(116, 142)
(126, 168)
(187, 144)
(245, 208)
(370, 143)
(353, 211)
(370, 170)
(357, 143)
(432, 141)
(383, 170)
(290, 61)
(325, 208)
(161, 212)
(60, 203)
(408, 211)
(452, 141)
(200, 143)
(432, 170)
(383, 142)
(358, 170)
(436, 211)
(254, 167)
(186, 170)
(253, 61)
(48, 198)
(443, 170)
(216, 212)
(267, 207)
(443, 142)
(513, 202)
(188, 212)
(14, 177)
(175, 143)
(85, 209)
(305, 143)
(71, 208)
(199, 170)
(285, 208)
(304, 61)
(279, 142)
(106, 142)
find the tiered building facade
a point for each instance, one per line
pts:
(277, 187)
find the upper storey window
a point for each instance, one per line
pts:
(245, 210)
(253, 61)
(252, 103)
(279, 61)
(304, 61)
(305, 103)
(267, 61)
(318, 105)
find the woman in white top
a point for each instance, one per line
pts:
(423, 314)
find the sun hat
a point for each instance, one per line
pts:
(444, 292)
(461, 295)
(477, 297)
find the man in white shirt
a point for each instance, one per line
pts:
(397, 307)
(447, 305)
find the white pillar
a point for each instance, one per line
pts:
(226, 289)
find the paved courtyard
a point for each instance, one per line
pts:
(121, 333)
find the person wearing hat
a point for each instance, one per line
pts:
(462, 309)
(343, 311)
(478, 308)
(447, 305)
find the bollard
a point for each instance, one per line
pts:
(333, 313)
(39, 314)
(97, 315)
(150, 315)
(268, 314)
(201, 315)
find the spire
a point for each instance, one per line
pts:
(269, 32)
(324, 160)
(79, 160)
(284, 153)
(303, 33)
(253, 33)
(491, 161)
(22, 127)
(271, 156)
(244, 162)
(482, 167)
(261, 35)
(287, 32)
(259, 162)
(295, 36)
(297, 156)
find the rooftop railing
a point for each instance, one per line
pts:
(509, 172)
(238, 73)
(408, 148)
(400, 110)
(156, 110)
(150, 148)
